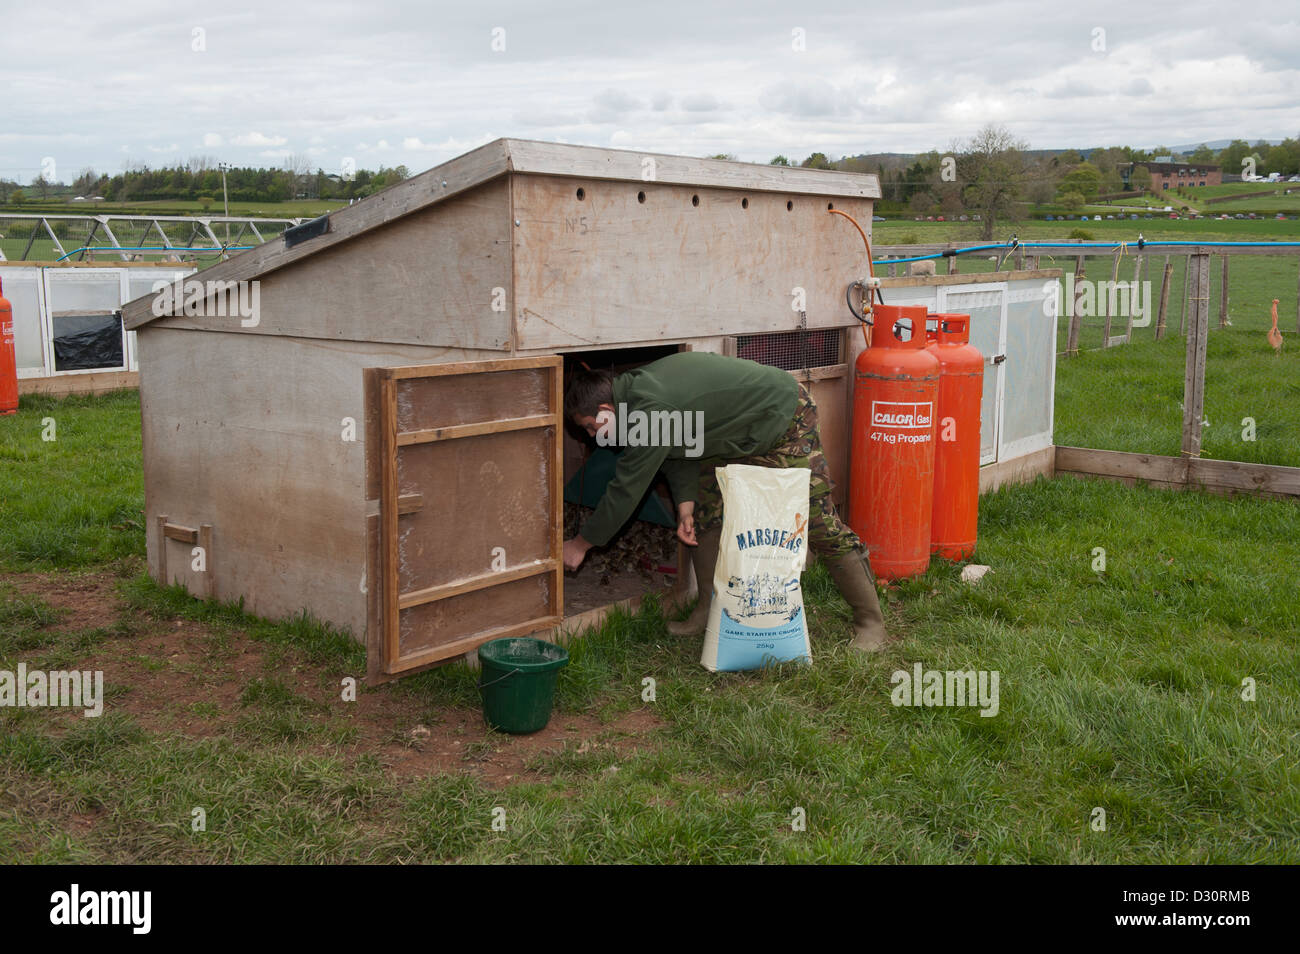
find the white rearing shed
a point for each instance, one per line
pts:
(383, 446)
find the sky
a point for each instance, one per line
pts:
(107, 85)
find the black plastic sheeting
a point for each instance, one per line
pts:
(85, 342)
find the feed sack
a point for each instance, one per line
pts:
(756, 617)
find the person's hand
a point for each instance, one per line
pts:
(575, 551)
(686, 523)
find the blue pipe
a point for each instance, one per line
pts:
(1069, 245)
(151, 248)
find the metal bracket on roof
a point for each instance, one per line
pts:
(308, 230)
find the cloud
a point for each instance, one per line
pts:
(1073, 89)
(815, 97)
(612, 106)
(257, 139)
(701, 103)
(873, 78)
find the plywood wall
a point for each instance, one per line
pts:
(644, 261)
(249, 433)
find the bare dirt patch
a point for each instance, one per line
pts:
(87, 600)
(182, 677)
(460, 742)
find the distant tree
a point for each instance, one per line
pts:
(921, 203)
(1072, 201)
(950, 200)
(206, 201)
(1202, 154)
(84, 184)
(42, 185)
(722, 155)
(1084, 179)
(779, 161)
(817, 160)
(299, 169)
(1041, 187)
(1140, 178)
(991, 168)
(1284, 157)
(17, 197)
(1230, 157)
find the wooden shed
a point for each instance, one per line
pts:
(383, 446)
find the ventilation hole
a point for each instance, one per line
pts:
(582, 194)
(695, 200)
(829, 206)
(640, 196)
(789, 206)
(744, 203)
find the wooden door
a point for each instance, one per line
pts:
(466, 546)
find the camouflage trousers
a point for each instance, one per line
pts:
(799, 446)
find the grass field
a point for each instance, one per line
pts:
(1120, 689)
(1286, 204)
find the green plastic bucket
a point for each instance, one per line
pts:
(517, 680)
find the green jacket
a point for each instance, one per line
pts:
(744, 407)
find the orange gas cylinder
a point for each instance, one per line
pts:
(895, 387)
(957, 449)
(8, 358)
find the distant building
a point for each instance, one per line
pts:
(1167, 174)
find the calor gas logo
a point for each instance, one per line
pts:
(908, 416)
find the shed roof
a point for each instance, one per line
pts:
(528, 157)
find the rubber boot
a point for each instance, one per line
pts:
(852, 575)
(704, 557)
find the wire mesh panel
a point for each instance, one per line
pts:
(1031, 352)
(793, 350)
(22, 288)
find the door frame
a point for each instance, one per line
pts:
(385, 660)
(999, 367)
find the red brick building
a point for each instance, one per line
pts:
(1167, 174)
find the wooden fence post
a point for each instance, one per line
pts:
(1114, 276)
(1187, 293)
(1223, 294)
(1194, 371)
(1164, 299)
(1133, 298)
(952, 263)
(1072, 339)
